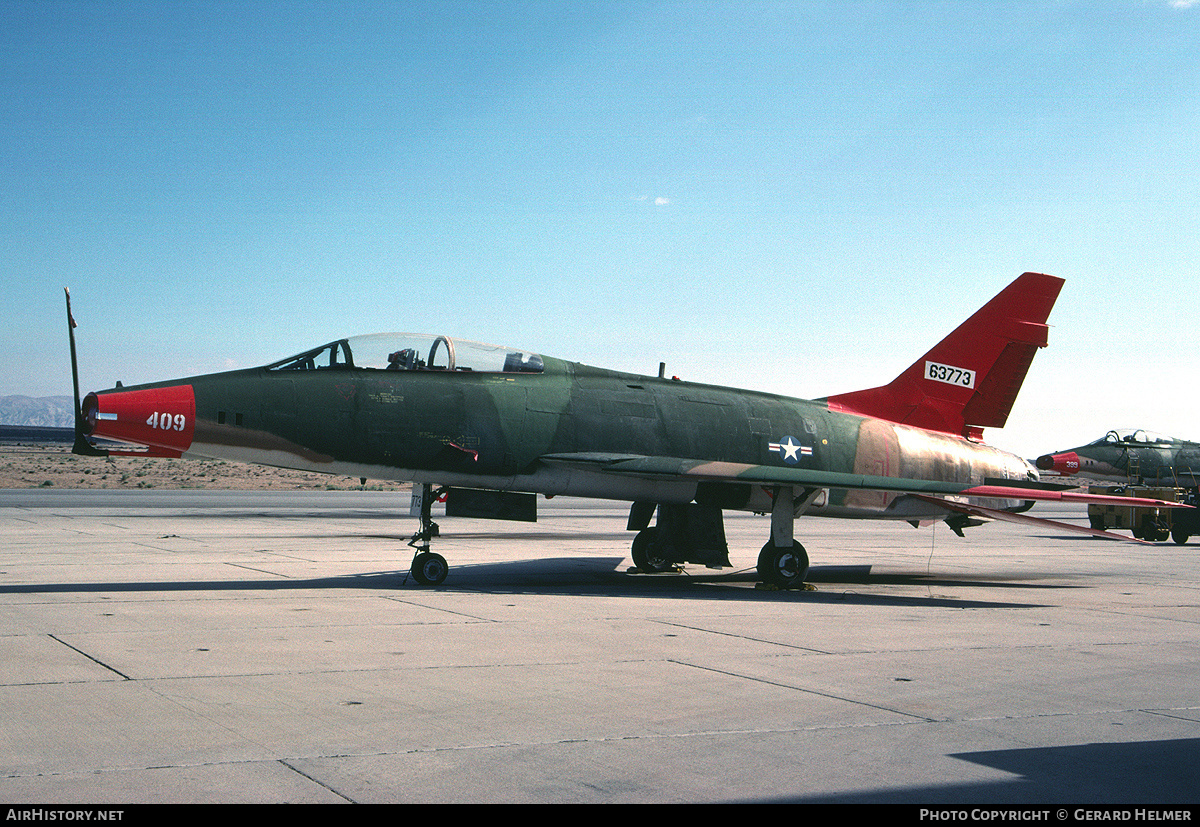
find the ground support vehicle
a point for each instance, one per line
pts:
(1153, 524)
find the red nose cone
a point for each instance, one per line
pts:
(156, 417)
(1067, 463)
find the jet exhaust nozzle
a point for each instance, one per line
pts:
(162, 419)
(1066, 464)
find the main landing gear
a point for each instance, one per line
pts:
(782, 568)
(783, 562)
(428, 568)
(695, 534)
(682, 534)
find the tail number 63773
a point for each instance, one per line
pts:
(962, 377)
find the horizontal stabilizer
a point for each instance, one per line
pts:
(1025, 519)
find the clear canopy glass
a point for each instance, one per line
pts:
(1127, 436)
(412, 351)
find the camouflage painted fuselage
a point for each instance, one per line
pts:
(551, 432)
(1130, 456)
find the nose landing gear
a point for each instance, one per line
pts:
(428, 568)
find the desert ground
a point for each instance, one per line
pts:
(52, 465)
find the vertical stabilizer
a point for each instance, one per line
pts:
(969, 380)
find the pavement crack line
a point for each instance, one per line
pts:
(740, 636)
(317, 781)
(89, 657)
(1166, 713)
(419, 604)
(257, 570)
(829, 695)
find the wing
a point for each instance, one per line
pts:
(952, 496)
(636, 465)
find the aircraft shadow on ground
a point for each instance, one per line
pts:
(598, 577)
(1145, 774)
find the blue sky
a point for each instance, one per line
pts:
(794, 197)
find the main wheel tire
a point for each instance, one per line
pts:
(783, 567)
(1153, 530)
(645, 556)
(429, 569)
(1179, 536)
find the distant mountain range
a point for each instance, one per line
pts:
(37, 412)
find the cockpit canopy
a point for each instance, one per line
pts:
(412, 351)
(1126, 436)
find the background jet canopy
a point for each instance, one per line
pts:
(412, 351)
(1128, 435)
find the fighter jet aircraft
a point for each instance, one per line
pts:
(1152, 463)
(1141, 459)
(492, 427)
(1130, 455)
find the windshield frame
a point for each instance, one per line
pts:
(1133, 436)
(412, 352)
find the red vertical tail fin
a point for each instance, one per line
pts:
(969, 380)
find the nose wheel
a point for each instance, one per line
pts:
(429, 568)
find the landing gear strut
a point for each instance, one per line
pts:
(783, 562)
(428, 568)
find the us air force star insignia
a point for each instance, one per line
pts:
(790, 450)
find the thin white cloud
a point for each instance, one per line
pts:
(661, 202)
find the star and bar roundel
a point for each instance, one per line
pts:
(791, 450)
